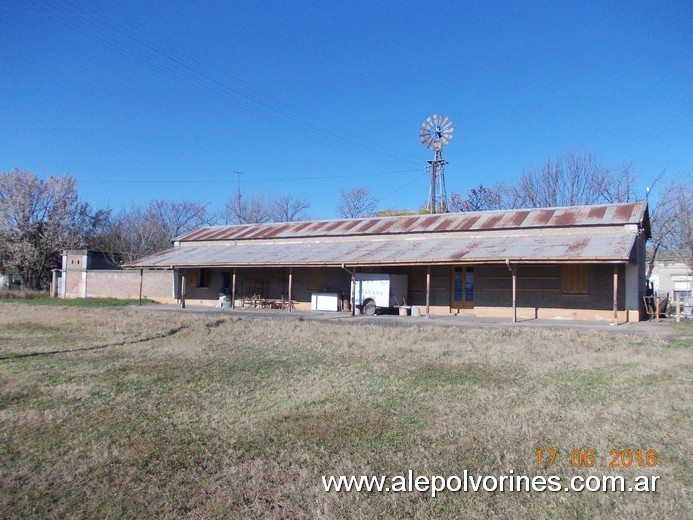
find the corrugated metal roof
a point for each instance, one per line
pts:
(576, 216)
(612, 245)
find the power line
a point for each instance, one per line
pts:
(135, 43)
(403, 186)
(220, 180)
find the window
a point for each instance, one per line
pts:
(574, 279)
(316, 280)
(199, 277)
(417, 280)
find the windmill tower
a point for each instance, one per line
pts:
(435, 133)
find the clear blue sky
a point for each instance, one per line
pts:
(141, 100)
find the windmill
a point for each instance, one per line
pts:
(435, 133)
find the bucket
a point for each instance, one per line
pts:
(415, 311)
(404, 311)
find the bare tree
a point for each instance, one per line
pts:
(249, 210)
(576, 180)
(130, 235)
(671, 221)
(620, 186)
(175, 218)
(259, 209)
(684, 221)
(287, 208)
(143, 230)
(356, 202)
(481, 198)
(38, 219)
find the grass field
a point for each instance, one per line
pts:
(39, 298)
(115, 413)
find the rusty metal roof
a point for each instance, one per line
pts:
(604, 233)
(565, 217)
(536, 247)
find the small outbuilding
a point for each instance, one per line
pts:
(583, 262)
(91, 274)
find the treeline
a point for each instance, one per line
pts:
(578, 179)
(41, 218)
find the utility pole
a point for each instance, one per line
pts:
(239, 212)
(238, 180)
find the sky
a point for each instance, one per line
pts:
(142, 100)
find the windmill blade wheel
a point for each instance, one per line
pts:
(436, 131)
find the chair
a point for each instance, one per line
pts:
(663, 307)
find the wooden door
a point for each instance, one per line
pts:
(462, 288)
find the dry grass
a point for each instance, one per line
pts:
(21, 294)
(42, 298)
(109, 413)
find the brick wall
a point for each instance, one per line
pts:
(73, 284)
(541, 286)
(156, 285)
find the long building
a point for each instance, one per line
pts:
(582, 262)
